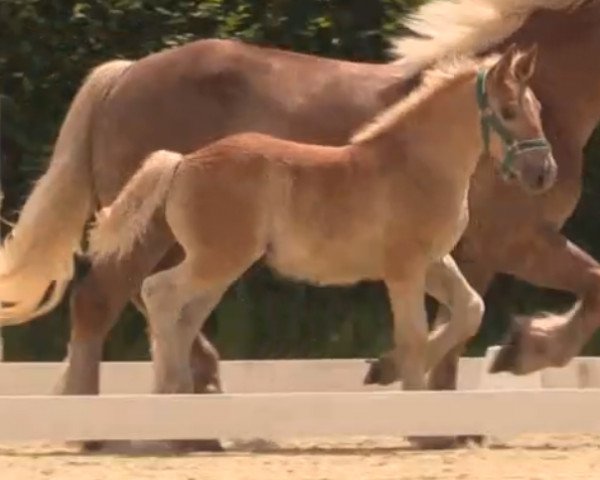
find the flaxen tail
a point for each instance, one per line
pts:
(121, 224)
(37, 257)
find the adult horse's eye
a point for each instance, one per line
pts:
(508, 113)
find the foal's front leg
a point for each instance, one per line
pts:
(407, 298)
(458, 318)
(446, 283)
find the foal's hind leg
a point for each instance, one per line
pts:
(204, 361)
(204, 366)
(204, 358)
(166, 294)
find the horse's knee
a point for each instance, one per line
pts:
(474, 310)
(154, 292)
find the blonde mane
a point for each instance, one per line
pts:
(464, 27)
(445, 74)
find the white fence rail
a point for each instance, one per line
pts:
(271, 399)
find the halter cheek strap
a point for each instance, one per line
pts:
(490, 122)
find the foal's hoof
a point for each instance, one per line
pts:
(92, 446)
(211, 445)
(433, 443)
(445, 443)
(381, 372)
(467, 440)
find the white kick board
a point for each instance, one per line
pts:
(285, 415)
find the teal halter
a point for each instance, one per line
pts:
(489, 122)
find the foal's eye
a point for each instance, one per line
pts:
(508, 113)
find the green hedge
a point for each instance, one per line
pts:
(49, 45)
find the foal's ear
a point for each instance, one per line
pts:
(524, 65)
(502, 68)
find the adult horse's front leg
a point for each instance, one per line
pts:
(548, 259)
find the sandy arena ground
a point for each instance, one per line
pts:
(530, 458)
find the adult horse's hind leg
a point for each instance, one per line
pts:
(96, 303)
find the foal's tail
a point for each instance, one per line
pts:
(36, 260)
(125, 221)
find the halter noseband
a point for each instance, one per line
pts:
(490, 121)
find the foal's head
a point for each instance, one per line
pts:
(511, 111)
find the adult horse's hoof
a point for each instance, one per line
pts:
(381, 372)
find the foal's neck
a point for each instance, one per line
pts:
(441, 135)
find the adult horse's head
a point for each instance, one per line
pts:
(511, 112)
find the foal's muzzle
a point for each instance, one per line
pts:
(537, 172)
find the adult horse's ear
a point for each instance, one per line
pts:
(524, 65)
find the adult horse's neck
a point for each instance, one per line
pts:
(567, 79)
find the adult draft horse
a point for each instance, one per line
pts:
(185, 97)
(390, 206)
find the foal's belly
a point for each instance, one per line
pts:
(326, 262)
